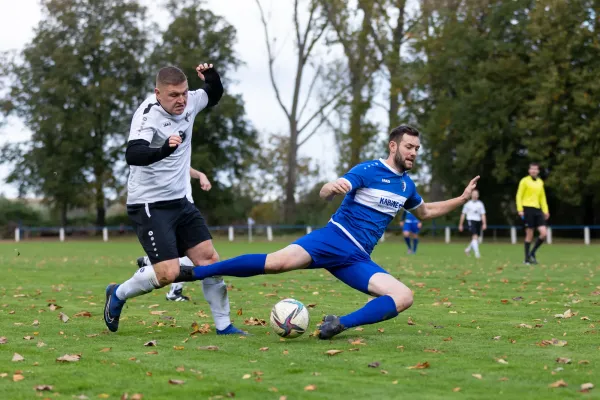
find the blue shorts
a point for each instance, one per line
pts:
(412, 227)
(332, 250)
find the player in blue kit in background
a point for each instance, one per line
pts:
(374, 193)
(411, 227)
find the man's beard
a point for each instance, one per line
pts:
(399, 162)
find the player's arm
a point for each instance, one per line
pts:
(439, 208)
(139, 152)
(544, 203)
(213, 87)
(462, 220)
(483, 222)
(520, 193)
(330, 189)
(201, 176)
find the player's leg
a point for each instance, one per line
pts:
(392, 297)
(469, 247)
(406, 233)
(529, 221)
(176, 290)
(475, 244)
(539, 241)
(415, 238)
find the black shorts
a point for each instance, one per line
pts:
(533, 217)
(167, 229)
(474, 227)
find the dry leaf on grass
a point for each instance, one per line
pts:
(478, 376)
(246, 376)
(40, 344)
(503, 379)
(104, 395)
(502, 361)
(354, 349)
(105, 350)
(204, 329)
(42, 388)
(374, 364)
(583, 362)
(176, 382)
(255, 321)
(310, 388)
(240, 311)
(586, 387)
(28, 337)
(17, 357)
(157, 312)
(150, 343)
(524, 326)
(153, 305)
(496, 337)
(53, 307)
(202, 314)
(380, 330)
(360, 328)
(152, 352)
(69, 358)
(410, 321)
(35, 322)
(356, 342)
(562, 360)
(92, 335)
(448, 339)
(420, 366)
(83, 314)
(333, 352)
(313, 305)
(18, 377)
(210, 348)
(180, 368)
(178, 347)
(558, 384)
(263, 349)
(63, 317)
(456, 389)
(3, 340)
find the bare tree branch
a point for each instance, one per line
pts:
(310, 89)
(324, 118)
(297, 24)
(271, 60)
(320, 110)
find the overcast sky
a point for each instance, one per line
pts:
(252, 80)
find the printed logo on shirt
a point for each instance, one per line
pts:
(385, 180)
(166, 123)
(187, 116)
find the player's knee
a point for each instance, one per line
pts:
(276, 263)
(403, 297)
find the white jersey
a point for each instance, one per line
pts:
(474, 209)
(169, 178)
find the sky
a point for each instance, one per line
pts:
(251, 80)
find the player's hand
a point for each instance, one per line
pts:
(420, 225)
(547, 216)
(174, 140)
(521, 214)
(483, 227)
(339, 186)
(401, 224)
(460, 228)
(204, 182)
(201, 68)
(466, 196)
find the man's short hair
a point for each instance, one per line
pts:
(170, 76)
(397, 133)
(534, 164)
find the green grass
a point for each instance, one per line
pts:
(484, 296)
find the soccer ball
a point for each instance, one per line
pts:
(289, 318)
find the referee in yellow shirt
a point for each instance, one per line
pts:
(533, 210)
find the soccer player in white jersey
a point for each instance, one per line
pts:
(167, 224)
(474, 211)
(375, 191)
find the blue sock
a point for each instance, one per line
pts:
(376, 310)
(415, 244)
(407, 240)
(242, 266)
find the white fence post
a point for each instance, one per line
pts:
(447, 234)
(105, 234)
(513, 235)
(231, 233)
(61, 234)
(269, 234)
(586, 235)
(17, 235)
(549, 236)
(308, 229)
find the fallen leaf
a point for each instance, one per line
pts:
(202, 314)
(40, 344)
(384, 372)
(63, 317)
(583, 362)
(246, 376)
(18, 377)
(395, 382)
(432, 351)
(53, 307)
(152, 352)
(525, 326)
(380, 330)
(374, 364)
(153, 305)
(3, 340)
(456, 389)
(496, 337)
(92, 335)
(585, 319)
(420, 366)
(562, 360)
(448, 339)
(502, 361)
(204, 329)
(358, 341)
(150, 343)
(69, 358)
(180, 369)
(148, 373)
(240, 312)
(263, 349)
(519, 298)
(255, 321)
(410, 321)
(104, 395)
(17, 357)
(504, 301)
(360, 328)
(558, 384)
(354, 349)
(333, 352)
(313, 305)
(35, 322)
(83, 314)
(503, 379)
(210, 348)
(104, 350)
(81, 397)
(178, 347)
(41, 388)
(157, 312)
(176, 382)
(310, 388)
(586, 387)
(478, 376)
(28, 337)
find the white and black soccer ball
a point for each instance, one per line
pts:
(289, 318)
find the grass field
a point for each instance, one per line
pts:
(466, 317)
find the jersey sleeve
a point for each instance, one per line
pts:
(520, 193)
(199, 99)
(482, 208)
(543, 202)
(356, 177)
(414, 201)
(141, 127)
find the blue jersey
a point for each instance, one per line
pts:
(378, 193)
(409, 218)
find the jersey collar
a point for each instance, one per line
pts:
(381, 160)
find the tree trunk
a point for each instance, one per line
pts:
(356, 140)
(289, 207)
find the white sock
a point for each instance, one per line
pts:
(475, 246)
(468, 249)
(215, 293)
(176, 286)
(143, 281)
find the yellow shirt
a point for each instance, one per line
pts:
(531, 193)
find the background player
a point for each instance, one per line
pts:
(533, 210)
(474, 211)
(411, 227)
(375, 191)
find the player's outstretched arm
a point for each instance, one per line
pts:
(330, 189)
(140, 153)
(201, 176)
(439, 208)
(212, 83)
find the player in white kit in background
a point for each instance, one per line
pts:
(474, 211)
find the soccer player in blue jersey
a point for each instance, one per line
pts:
(374, 192)
(411, 227)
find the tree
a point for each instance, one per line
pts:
(223, 137)
(306, 38)
(76, 88)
